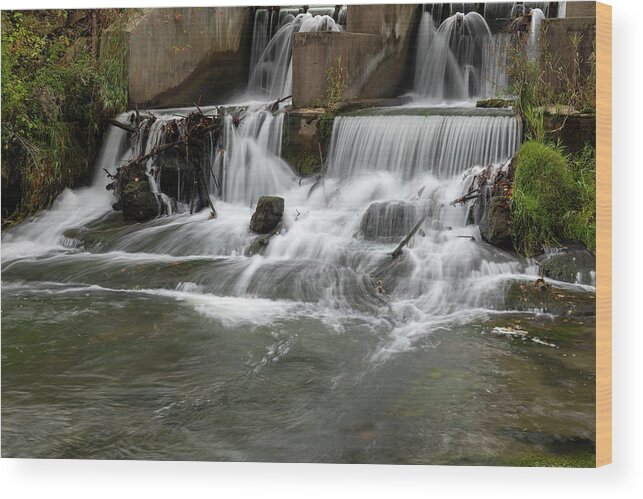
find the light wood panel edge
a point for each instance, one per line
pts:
(603, 234)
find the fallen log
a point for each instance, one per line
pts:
(405, 241)
(123, 126)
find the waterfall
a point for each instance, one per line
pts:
(271, 77)
(72, 208)
(562, 9)
(247, 161)
(496, 60)
(450, 59)
(261, 34)
(533, 43)
(412, 146)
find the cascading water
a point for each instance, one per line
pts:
(261, 33)
(444, 146)
(271, 77)
(450, 59)
(533, 43)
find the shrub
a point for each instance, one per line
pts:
(544, 193)
(56, 98)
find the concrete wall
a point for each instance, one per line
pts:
(377, 55)
(353, 55)
(574, 131)
(580, 9)
(398, 24)
(558, 35)
(185, 55)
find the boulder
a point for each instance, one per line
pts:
(495, 223)
(267, 215)
(388, 220)
(138, 202)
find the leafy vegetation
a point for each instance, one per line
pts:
(56, 97)
(553, 198)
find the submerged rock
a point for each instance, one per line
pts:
(575, 265)
(138, 202)
(495, 224)
(529, 296)
(267, 215)
(386, 220)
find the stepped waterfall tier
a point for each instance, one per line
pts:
(373, 320)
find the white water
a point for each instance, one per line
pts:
(533, 43)
(408, 146)
(73, 208)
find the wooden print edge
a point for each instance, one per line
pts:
(603, 234)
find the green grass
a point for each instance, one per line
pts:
(553, 198)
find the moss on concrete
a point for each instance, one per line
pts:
(306, 136)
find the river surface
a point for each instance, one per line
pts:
(173, 339)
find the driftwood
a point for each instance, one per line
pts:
(475, 193)
(405, 241)
(123, 126)
(154, 152)
(275, 106)
(185, 138)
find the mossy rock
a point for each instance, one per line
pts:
(139, 203)
(267, 215)
(575, 265)
(495, 224)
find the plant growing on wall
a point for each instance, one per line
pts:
(335, 84)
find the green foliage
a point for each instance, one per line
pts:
(553, 198)
(55, 101)
(113, 64)
(335, 84)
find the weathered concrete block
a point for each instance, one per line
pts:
(580, 9)
(181, 56)
(398, 25)
(559, 58)
(353, 55)
(573, 131)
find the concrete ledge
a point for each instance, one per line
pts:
(185, 55)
